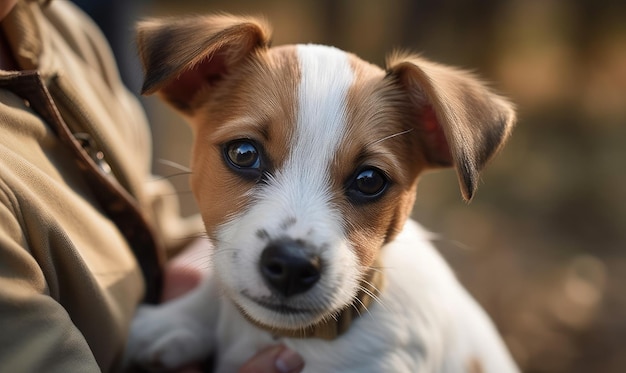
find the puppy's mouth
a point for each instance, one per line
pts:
(280, 307)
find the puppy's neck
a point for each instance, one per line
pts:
(333, 327)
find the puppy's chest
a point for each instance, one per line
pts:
(367, 351)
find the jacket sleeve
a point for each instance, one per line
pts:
(36, 333)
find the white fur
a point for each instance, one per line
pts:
(423, 321)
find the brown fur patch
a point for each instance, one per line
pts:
(256, 101)
(377, 135)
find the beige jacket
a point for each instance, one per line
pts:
(69, 282)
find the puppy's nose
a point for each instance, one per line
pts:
(288, 268)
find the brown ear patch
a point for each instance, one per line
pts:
(205, 73)
(462, 123)
(181, 56)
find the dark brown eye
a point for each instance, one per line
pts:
(367, 185)
(370, 182)
(243, 154)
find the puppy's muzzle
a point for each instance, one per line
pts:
(288, 267)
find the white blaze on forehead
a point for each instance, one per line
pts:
(325, 79)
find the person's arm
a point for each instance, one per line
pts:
(36, 333)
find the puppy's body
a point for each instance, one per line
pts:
(305, 168)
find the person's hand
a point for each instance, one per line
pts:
(184, 273)
(275, 359)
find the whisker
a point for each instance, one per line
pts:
(392, 136)
(358, 311)
(455, 243)
(161, 177)
(176, 193)
(173, 164)
(376, 269)
(374, 296)
(334, 316)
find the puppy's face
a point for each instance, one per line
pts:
(306, 149)
(306, 158)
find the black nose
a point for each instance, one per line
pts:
(288, 268)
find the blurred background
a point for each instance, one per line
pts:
(543, 244)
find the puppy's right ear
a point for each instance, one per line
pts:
(183, 56)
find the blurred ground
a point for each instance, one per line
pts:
(543, 244)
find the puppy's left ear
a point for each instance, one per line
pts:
(183, 56)
(460, 122)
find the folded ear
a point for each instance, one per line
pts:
(182, 56)
(460, 122)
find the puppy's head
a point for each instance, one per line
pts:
(306, 158)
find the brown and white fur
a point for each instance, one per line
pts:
(340, 144)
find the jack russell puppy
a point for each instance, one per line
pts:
(305, 167)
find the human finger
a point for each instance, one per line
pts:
(276, 359)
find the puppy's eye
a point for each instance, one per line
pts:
(368, 184)
(243, 156)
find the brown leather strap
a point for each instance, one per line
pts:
(333, 327)
(116, 202)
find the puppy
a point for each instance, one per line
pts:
(305, 168)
